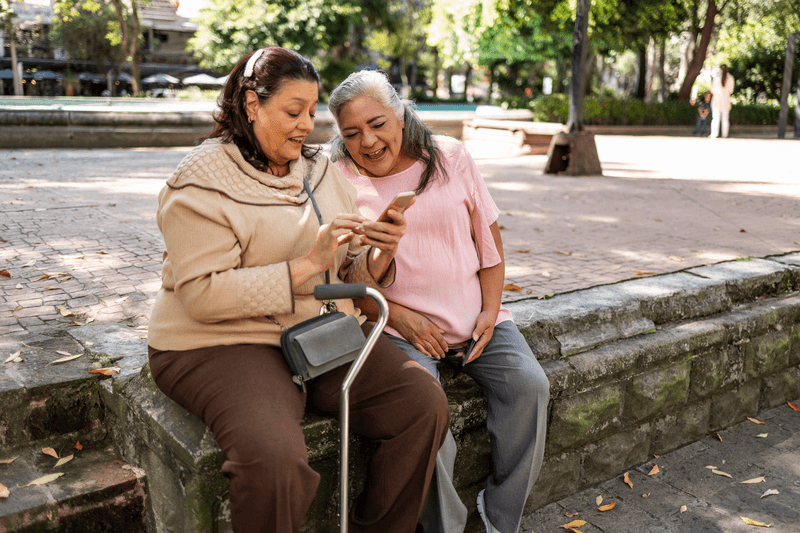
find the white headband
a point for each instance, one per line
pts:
(248, 69)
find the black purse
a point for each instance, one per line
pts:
(320, 344)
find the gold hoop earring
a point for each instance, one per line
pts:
(249, 119)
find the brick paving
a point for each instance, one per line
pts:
(77, 227)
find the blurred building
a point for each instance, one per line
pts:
(165, 34)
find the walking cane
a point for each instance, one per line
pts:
(336, 292)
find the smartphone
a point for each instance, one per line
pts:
(468, 352)
(400, 203)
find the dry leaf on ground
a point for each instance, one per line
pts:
(751, 522)
(642, 272)
(684, 508)
(761, 479)
(5, 273)
(8, 461)
(608, 507)
(654, 470)
(770, 492)
(108, 371)
(512, 287)
(50, 451)
(524, 251)
(793, 406)
(570, 515)
(755, 421)
(78, 446)
(762, 435)
(65, 312)
(721, 473)
(63, 460)
(616, 267)
(65, 359)
(715, 434)
(102, 252)
(646, 495)
(598, 500)
(574, 523)
(4, 492)
(675, 258)
(45, 479)
(40, 278)
(13, 358)
(626, 478)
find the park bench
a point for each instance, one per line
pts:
(510, 137)
(637, 368)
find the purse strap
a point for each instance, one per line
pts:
(319, 217)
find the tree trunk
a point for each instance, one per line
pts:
(587, 69)
(652, 64)
(579, 41)
(662, 75)
(641, 75)
(403, 77)
(15, 75)
(129, 40)
(700, 55)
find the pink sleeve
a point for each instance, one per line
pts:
(483, 210)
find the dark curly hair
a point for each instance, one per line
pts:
(271, 70)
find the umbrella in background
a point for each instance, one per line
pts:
(161, 78)
(201, 79)
(223, 80)
(47, 75)
(93, 78)
(124, 76)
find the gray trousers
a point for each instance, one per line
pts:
(517, 393)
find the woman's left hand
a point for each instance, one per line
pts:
(484, 329)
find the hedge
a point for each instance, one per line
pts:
(632, 112)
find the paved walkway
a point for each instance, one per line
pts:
(78, 237)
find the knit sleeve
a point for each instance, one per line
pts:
(204, 257)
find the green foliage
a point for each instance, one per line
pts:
(633, 112)
(229, 29)
(85, 30)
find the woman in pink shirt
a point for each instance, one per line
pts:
(445, 301)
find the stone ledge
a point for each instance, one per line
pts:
(674, 357)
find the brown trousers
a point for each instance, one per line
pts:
(245, 394)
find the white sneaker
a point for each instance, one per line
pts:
(482, 511)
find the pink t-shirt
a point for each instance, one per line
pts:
(447, 239)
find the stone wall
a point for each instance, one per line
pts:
(636, 369)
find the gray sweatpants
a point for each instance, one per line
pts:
(517, 393)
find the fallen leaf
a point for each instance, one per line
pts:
(598, 500)
(512, 287)
(616, 267)
(642, 272)
(675, 258)
(45, 479)
(65, 359)
(142, 328)
(696, 251)
(742, 231)
(721, 473)
(108, 371)
(501, 227)
(88, 320)
(5, 273)
(49, 288)
(770, 492)
(17, 308)
(658, 220)
(18, 286)
(750, 522)
(574, 523)
(78, 446)
(50, 451)
(8, 461)
(710, 467)
(63, 460)
(714, 434)
(524, 251)
(40, 278)
(545, 273)
(608, 507)
(654, 470)
(65, 312)
(76, 323)
(627, 480)
(761, 479)
(570, 515)
(793, 406)
(755, 421)
(626, 220)
(102, 252)
(29, 263)
(12, 357)
(646, 495)
(683, 508)
(4, 492)
(762, 435)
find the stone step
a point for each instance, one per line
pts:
(96, 493)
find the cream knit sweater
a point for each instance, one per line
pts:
(230, 231)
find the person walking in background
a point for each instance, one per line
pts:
(703, 110)
(722, 89)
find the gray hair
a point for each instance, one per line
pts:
(418, 140)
